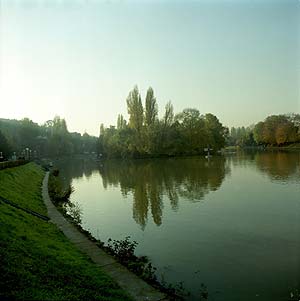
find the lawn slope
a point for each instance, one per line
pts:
(37, 262)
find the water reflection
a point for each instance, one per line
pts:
(149, 180)
(279, 166)
(239, 218)
(154, 180)
(75, 167)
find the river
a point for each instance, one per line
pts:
(231, 223)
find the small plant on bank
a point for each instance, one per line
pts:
(176, 290)
(123, 250)
(294, 295)
(203, 293)
(74, 210)
(57, 193)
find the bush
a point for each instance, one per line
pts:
(9, 164)
(123, 250)
(57, 193)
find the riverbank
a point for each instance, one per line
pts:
(294, 146)
(9, 164)
(37, 261)
(138, 289)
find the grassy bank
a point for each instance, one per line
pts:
(36, 260)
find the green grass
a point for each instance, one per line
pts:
(37, 262)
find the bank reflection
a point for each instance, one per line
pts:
(75, 167)
(279, 166)
(152, 181)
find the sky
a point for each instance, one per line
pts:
(79, 59)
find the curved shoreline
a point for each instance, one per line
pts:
(136, 287)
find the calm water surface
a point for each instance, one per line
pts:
(231, 223)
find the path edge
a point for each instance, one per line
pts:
(137, 288)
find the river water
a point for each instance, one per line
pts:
(231, 223)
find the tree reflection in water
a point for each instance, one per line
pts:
(153, 181)
(279, 166)
(75, 167)
(149, 180)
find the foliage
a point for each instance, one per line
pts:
(124, 250)
(275, 130)
(146, 135)
(241, 136)
(5, 147)
(176, 290)
(50, 139)
(203, 292)
(151, 109)
(295, 294)
(9, 164)
(57, 193)
(74, 210)
(278, 130)
(37, 262)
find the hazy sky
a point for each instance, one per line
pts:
(79, 59)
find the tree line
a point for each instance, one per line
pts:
(275, 130)
(49, 139)
(145, 134)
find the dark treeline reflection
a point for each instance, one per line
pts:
(149, 180)
(277, 165)
(75, 167)
(152, 182)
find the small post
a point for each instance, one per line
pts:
(207, 149)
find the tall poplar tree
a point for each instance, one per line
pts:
(136, 118)
(150, 108)
(135, 110)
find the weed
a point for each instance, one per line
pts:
(55, 188)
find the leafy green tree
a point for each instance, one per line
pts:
(215, 132)
(277, 130)
(50, 139)
(136, 119)
(192, 130)
(151, 109)
(286, 132)
(240, 136)
(121, 123)
(163, 140)
(135, 110)
(29, 131)
(145, 135)
(258, 132)
(168, 118)
(5, 148)
(150, 122)
(59, 138)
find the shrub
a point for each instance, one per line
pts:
(57, 193)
